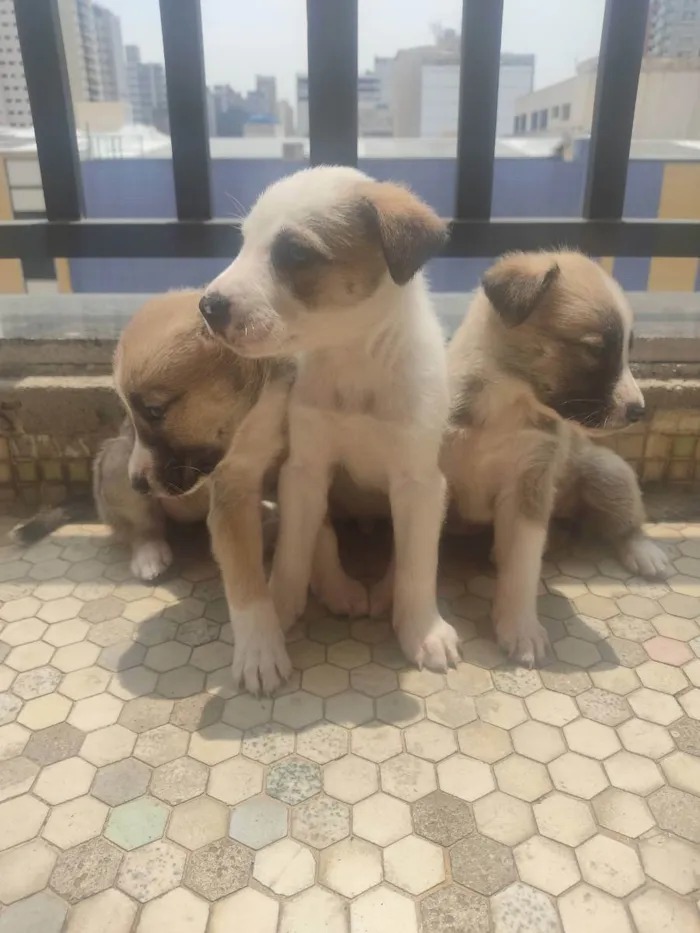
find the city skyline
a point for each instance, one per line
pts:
(385, 26)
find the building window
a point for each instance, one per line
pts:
(555, 113)
(543, 119)
(533, 120)
(566, 111)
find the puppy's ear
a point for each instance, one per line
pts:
(517, 283)
(410, 232)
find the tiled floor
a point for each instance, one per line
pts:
(139, 792)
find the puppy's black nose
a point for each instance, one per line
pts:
(635, 412)
(139, 483)
(215, 309)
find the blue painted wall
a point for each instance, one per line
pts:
(522, 188)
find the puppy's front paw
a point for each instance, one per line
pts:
(523, 638)
(289, 599)
(435, 645)
(343, 596)
(149, 559)
(643, 557)
(260, 659)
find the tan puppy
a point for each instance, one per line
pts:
(208, 428)
(542, 354)
(329, 271)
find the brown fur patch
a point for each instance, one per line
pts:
(410, 232)
(517, 283)
(462, 409)
(535, 487)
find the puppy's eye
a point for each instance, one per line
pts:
(154, 413)
(594, 350)
(289, 253)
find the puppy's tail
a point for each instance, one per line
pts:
(77, 509)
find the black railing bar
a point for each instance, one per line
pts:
(619, 66)
(183, 50)
(332, 27)
(48, 86)
(478, 103)
(221, 239)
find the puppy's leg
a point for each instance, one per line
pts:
(260, 657)
(137, 519)
(613, 501)
(303, 501)
(521, 519)
(417, 508)
(329, 581)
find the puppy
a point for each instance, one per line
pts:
(543, 354)
(329, 271)
(206, 431)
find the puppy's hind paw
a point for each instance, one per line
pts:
(525, 641)
(435, 646)
(150, 559)
(643, 557)
(343, 596)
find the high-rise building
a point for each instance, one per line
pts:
(110, 51)
(81, 60)
(89, 53)
(146, 91)
(673, 29)
(373, 104)
(425, 95)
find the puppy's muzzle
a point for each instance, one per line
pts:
(215, 308)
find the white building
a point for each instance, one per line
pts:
(668, 102)
(373, 102)
(439, 94)
(82, 60)
(673, 30)
(110, 52)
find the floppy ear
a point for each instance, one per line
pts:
(410, 232)
(517, 283)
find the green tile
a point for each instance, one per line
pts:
(136, 823)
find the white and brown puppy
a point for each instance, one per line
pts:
(329, 271)
(206, 433)
(543, 354)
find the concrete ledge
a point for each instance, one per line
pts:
(77, 333)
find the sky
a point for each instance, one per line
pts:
(243, 38)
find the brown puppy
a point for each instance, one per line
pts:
(542, 354)
(205, 423)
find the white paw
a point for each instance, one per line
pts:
(289, 598)
(435, 645)
(260, 659)
(343, 596)
(643, 557)
(523, 637)
(150, 559)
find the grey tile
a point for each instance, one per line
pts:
(218, 869)
(482, 864)
(442, 819)
(677, 812)
(86, 870)
(42, 913)
(56, 743)
(122, 781)
(455, 910)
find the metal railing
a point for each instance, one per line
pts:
(333, 119)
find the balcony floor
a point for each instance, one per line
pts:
(139, 791)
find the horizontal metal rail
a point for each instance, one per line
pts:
(152, 239)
